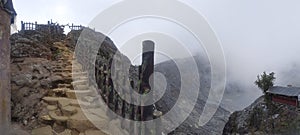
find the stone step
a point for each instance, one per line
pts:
(100, 112)
(81, 87)
(51, 107)
(80, 124)
(66, 132)
(52, 100)
(83, 104)
(94, 132)
(74, 68)
(64, 74)
(42, 131)
(67, 70)
(80, 82)
(46, 119)
(57, 67)
(69, 110)
(60, 90)
(79, 74)
(58, 101)
(83, 121)
(74, 94)
(56, 117)
(80, 78)
(62, 102)
(62, 70)
(90, 99)
(77, 66)
(75, 63)
(64, 86)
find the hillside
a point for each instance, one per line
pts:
(173, 76)
(234, 97)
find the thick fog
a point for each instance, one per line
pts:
(257, 36)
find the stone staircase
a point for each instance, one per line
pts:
(73, 109)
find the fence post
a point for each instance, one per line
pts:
(35, 25)
(22, 25)
(146, 70)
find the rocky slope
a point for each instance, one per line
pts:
(258, 119)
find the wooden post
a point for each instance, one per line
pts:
(22, 25)
(5, 95)
(35, 25)
(146, 70)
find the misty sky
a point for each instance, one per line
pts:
(256, 35)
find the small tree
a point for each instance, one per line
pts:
(265, 81)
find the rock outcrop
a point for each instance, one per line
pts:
(260, 119)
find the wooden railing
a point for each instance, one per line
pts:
(34, 26)
(28, 25)
(76, 27)
(99, 71)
